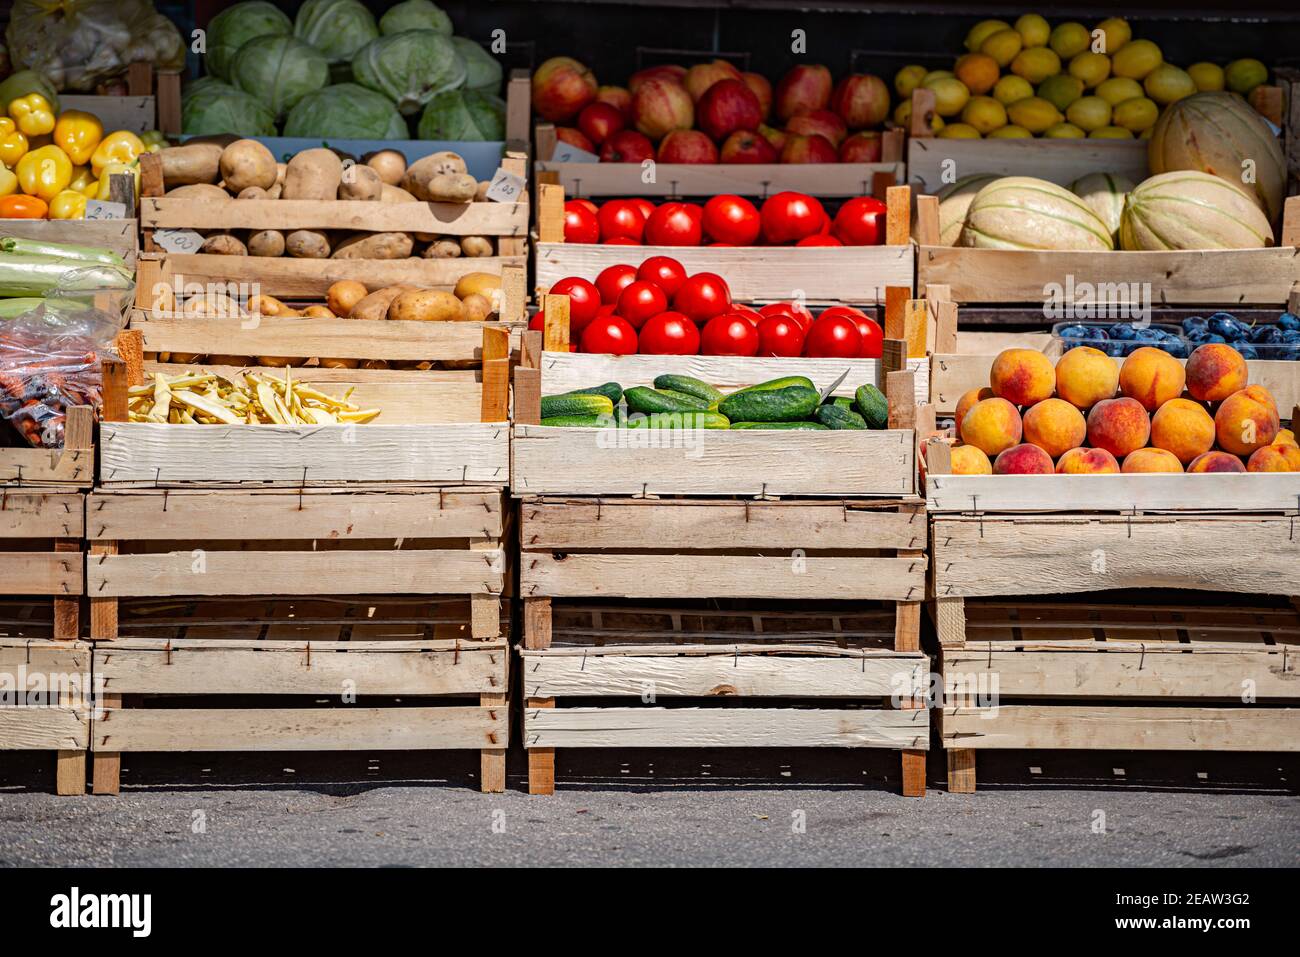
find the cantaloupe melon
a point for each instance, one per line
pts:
(1218, 133)
(1189, 209)
(954, 201)
(1104, 193)
(1020, 212)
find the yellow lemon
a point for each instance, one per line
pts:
(1011, 88)
(1064, 131)
(982, 30)
(903, 117)
(1035, 114)
(1070, 39)
(1036, 64)
(1137, 114)
(1242, 76)
(1117, 32)
(950, 95)
(1136, 60)
(1110, 133)
(935, 75)
(1034, 30)
(1208, 77)
(984, 114)
(959, 131)
(908, 79)
(1089, 113)
(1118, 89)
(1091, 68)
(1010, 132)
(1061, 90)
(1167, 84)
(978, 71)
(1002, 46)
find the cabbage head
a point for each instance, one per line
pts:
(466, 115)
(346, 111)
(337, 28)
(484, 69)
(211, 107)
(415, 15)
(279, 71)
(410, 68)
(233, 27)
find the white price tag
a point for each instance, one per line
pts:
(97, 209)
(178, 240)
(568, 153)
(505, 187)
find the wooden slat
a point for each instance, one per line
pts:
(44, 729)
(41, 573)
(47, 466)
(447, 219)
(116, 235)
(1276, 491)
(1058, 161)
(32, 513)
(761, 179)
(136, 114)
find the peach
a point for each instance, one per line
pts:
(1085, 376)
(1246, 420)
(1119, 426)
(1152, 376)
(1023, 460)
(1055, 426)
(1215, 371)
(1286, 437)
(1215, 462)
(1022, 376)
(1184, 428)
(992, 426)
(968, 460)
(1087, 462)
(1274, 458)
(1151, 460)
(966, 401)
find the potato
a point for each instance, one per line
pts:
(339, 363)
(389, 164)
(307, 244)
(213, 305)
(375, 305)
(246, 163)
(476, 246)
(361, 183)
(253, 192)
(375, 246)
(220, 360)
(486, 284)
(270, 306)
(281, 170)
(274, 191)
(442, 249)
(223, 244)
(453, 184)
(279, 362)
(395, 194)
(318, 312)
(450, 188)
(204, 191)
(374, 363)
(343, 295)
(313, 174)
(191, 164)
(477, 308)
(266, 242)
(480, 194)
(426, 305)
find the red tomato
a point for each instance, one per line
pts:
(729, 335)
(621, 241)
(612, 335)
(669, 334)
(818, 239)
(703, 296)
(796, 311)
(641, 300)
(580, 223)
(732, 220)
(586, 204)
(620, 219)
(780, 336)
(789, 217)
(673, 224)
(861, 222)
(584, 301)
(613, 280)
(833, 337)
(873, 338)
(665, 271)
(752, 315)
(644, 205)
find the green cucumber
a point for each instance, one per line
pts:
(611, 390)
(689, 386)
(644, 399)
(581, 421)
(576, 404)
(783, 426)
(872, 406)
(678, 420)
(836, 417)
(783, 383)
(786, 404)
(843, 401)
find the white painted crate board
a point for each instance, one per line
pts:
(1254, 492)
(748, 179)
(1057, 161)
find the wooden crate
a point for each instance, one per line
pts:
(851, 274)
(44, 705)
(41, 549)
(827, 675)
(1141, 675)
(308, 546)
(72, 466)
(117, 235)
(152, 102)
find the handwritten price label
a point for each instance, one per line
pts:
(505, 187)
(97, 209)
(568, 153)
(178, 240)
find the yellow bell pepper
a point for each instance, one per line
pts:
(153, 140)
(106, 174)
(33, 114)
(8, 181)
(68, 204)
(13, 143)
(119, 147)
(45, 172)
(78, 134)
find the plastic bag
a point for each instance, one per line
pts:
(50, 359)
(81, 43)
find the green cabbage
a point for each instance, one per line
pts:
(410, 68)
(464, 115)
(211, 107)
(337, 28)
(346, 111)
(233, 27)
(279, 71)
(415, 15)
(484, 69)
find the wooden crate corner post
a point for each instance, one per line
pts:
(898, 217)
(923, 104)
(537, 637)
(550, 213)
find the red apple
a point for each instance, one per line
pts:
(561, 88)
(703, 75)
(627, 146)
(808, 149)
(862, 147)
(761, 88)
(665, 71)
(802, 90)
(687, 146)
(773, 135)
(617, 97)
(743, 146)
(861, 100)
(599, 121)
(820, 123)
(660, 106)
(727, 106)
(567, 134)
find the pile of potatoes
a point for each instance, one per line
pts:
(245, 169)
